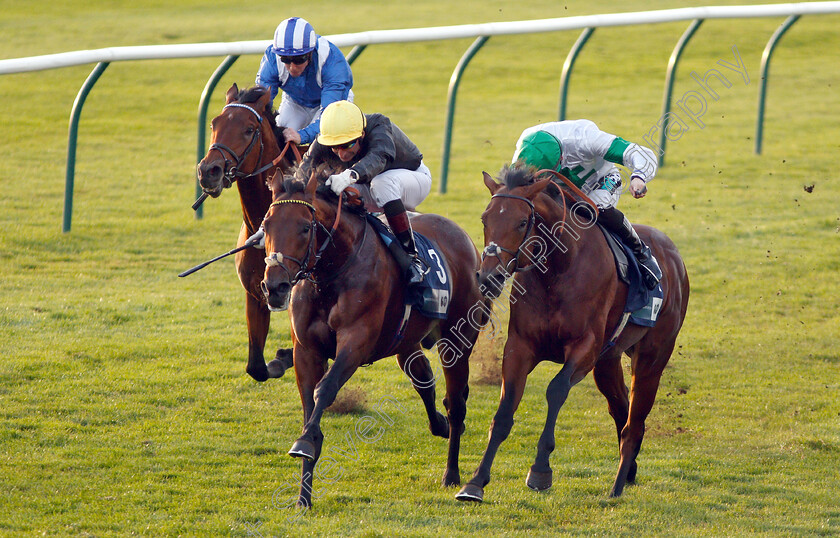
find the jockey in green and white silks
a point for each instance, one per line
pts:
(587, 156)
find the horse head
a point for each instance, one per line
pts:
(296, 235)
(242, 135)
(510, 220)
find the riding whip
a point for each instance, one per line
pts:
(217, 258)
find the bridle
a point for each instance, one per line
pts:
(513, 266)
(305, 268)
(232, 164)
(492, 249)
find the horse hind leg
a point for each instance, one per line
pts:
(609, 378)
(647, 371)
(456, 370)
(416, 366)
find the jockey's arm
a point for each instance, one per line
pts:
(267, 74)
(379, 146)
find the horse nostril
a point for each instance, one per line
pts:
(209, 172)
(264, 287)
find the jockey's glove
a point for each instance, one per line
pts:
(258, 239)
(339, 182)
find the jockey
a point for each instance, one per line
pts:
(585, 155)
(375, 151)
(311, 71)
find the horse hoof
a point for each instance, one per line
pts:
(276, 369)
(538, 481)
(303, 449)
(441, 426)
(259, 374)
(472, 493)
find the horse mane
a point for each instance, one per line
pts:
(517, 175)
(252, 95)
(520, 174)
(293, 182)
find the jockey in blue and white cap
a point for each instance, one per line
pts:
(311, 72)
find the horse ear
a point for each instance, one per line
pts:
(492, 186)
(275, 183)
(232, 94)
(312, 184)
(535, 188)
(263, 101)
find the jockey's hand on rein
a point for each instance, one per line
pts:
(258, 239)
(636, 189)
(339, 182)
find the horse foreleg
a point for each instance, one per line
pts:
(258, 317)
(416, 366)
(308, 445)
(514, 374)
(283, 359)
(310, 370)
(540, 475)
(579, 359)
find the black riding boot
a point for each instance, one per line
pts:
(413, 267)
(615, 221)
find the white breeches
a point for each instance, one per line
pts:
(296, 116)
(410, 186)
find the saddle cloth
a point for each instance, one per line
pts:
(430, 297)
(642, 303)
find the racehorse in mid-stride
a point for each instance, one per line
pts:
(569, 310)
(244, 150)
(346, 299)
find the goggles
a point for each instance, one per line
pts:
(346, 145)
(297, 60)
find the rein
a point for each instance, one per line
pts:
(232, 171)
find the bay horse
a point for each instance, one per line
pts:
(244, 150)
(568, 313)
(345, 294)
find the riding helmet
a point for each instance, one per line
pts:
(539, 149)
(341, 122)
(294, 37)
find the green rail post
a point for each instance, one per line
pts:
(568, 65)
(454, 80)
(765, 72)
(354, 53)
(669, 83)
(69, 178)
(203, 103)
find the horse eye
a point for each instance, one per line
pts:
(305, 229)
(249, 131)
(523, 223)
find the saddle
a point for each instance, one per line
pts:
(643, 304)
(430, 297)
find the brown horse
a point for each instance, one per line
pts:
(245, 150)
(345, 295)
(567, 313)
